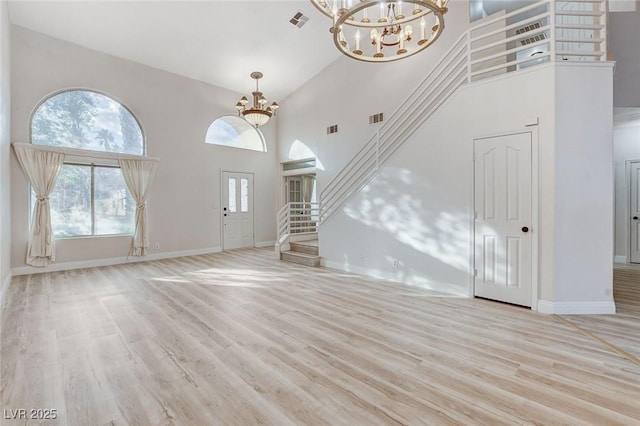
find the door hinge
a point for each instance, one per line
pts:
(475, 272)
(475, 215)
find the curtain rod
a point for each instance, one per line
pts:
(85, 152)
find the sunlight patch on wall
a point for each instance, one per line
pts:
(300, 151)
(397, 206)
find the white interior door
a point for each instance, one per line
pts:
(294, 186)
(237, 210)
(503, 253)
(634, 226)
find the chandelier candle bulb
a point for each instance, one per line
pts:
(391, 29)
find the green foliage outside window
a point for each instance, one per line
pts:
(89, 199)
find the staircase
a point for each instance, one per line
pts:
(303, 252)
(572, 30)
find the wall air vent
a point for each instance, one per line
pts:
(299, 19)
(332, 129)
(535, 38)
(376, 118)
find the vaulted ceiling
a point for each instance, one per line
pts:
(218, 42)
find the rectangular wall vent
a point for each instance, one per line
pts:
(299, 19)
(376, 118)
(332, 129)
(533, 39)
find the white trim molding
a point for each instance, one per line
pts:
(65, 266)
(576, 308)
(265, 244)
(4, 286)
(619, 258)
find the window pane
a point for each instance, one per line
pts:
(114, 207)
(86, 120)
(71, 202)
(236, 132)
(232, 195)
(244, 195)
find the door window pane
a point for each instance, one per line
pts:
(244, 195)
(114, 207)
(71, 202)
(232, 195)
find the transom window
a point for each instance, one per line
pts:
(235, 132)
(89, 199)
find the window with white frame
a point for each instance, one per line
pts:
(90, 198)
(235, 132)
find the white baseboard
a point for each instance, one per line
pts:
(397, 277)
(576, 308)
(65, 266)
(354, 269)
(4, 286)
(619, 259)
(265, 244)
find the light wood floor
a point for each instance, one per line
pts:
(240, 338)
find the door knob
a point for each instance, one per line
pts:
(525, 229)
(635, 218)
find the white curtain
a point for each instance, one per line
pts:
(307, 188)
(138, 175)
(41, 168)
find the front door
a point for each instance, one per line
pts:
(503, 253)
(237, 210)
(635, 213)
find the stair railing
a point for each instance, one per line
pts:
(296, 221)
(542, 32)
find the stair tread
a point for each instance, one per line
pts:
(310, 243)
(301, 254)
(305, 246)
(300, 258)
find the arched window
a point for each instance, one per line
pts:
(90, 198)
(236, 132)
(86, 120)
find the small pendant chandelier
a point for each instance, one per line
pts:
(388, 24)
(257, 114)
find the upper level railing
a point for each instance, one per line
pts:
(544, 31)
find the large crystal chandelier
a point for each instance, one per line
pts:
(395, 29)
(257, 114)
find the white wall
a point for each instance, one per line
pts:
(626, 146)
(5, 147)
(418, 210)
(175, 112)
(624, 33)
(346, 93)
(583, 270)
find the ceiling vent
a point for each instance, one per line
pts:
(376, 118)
(332, 129)
(533, 39)
(299, 19)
